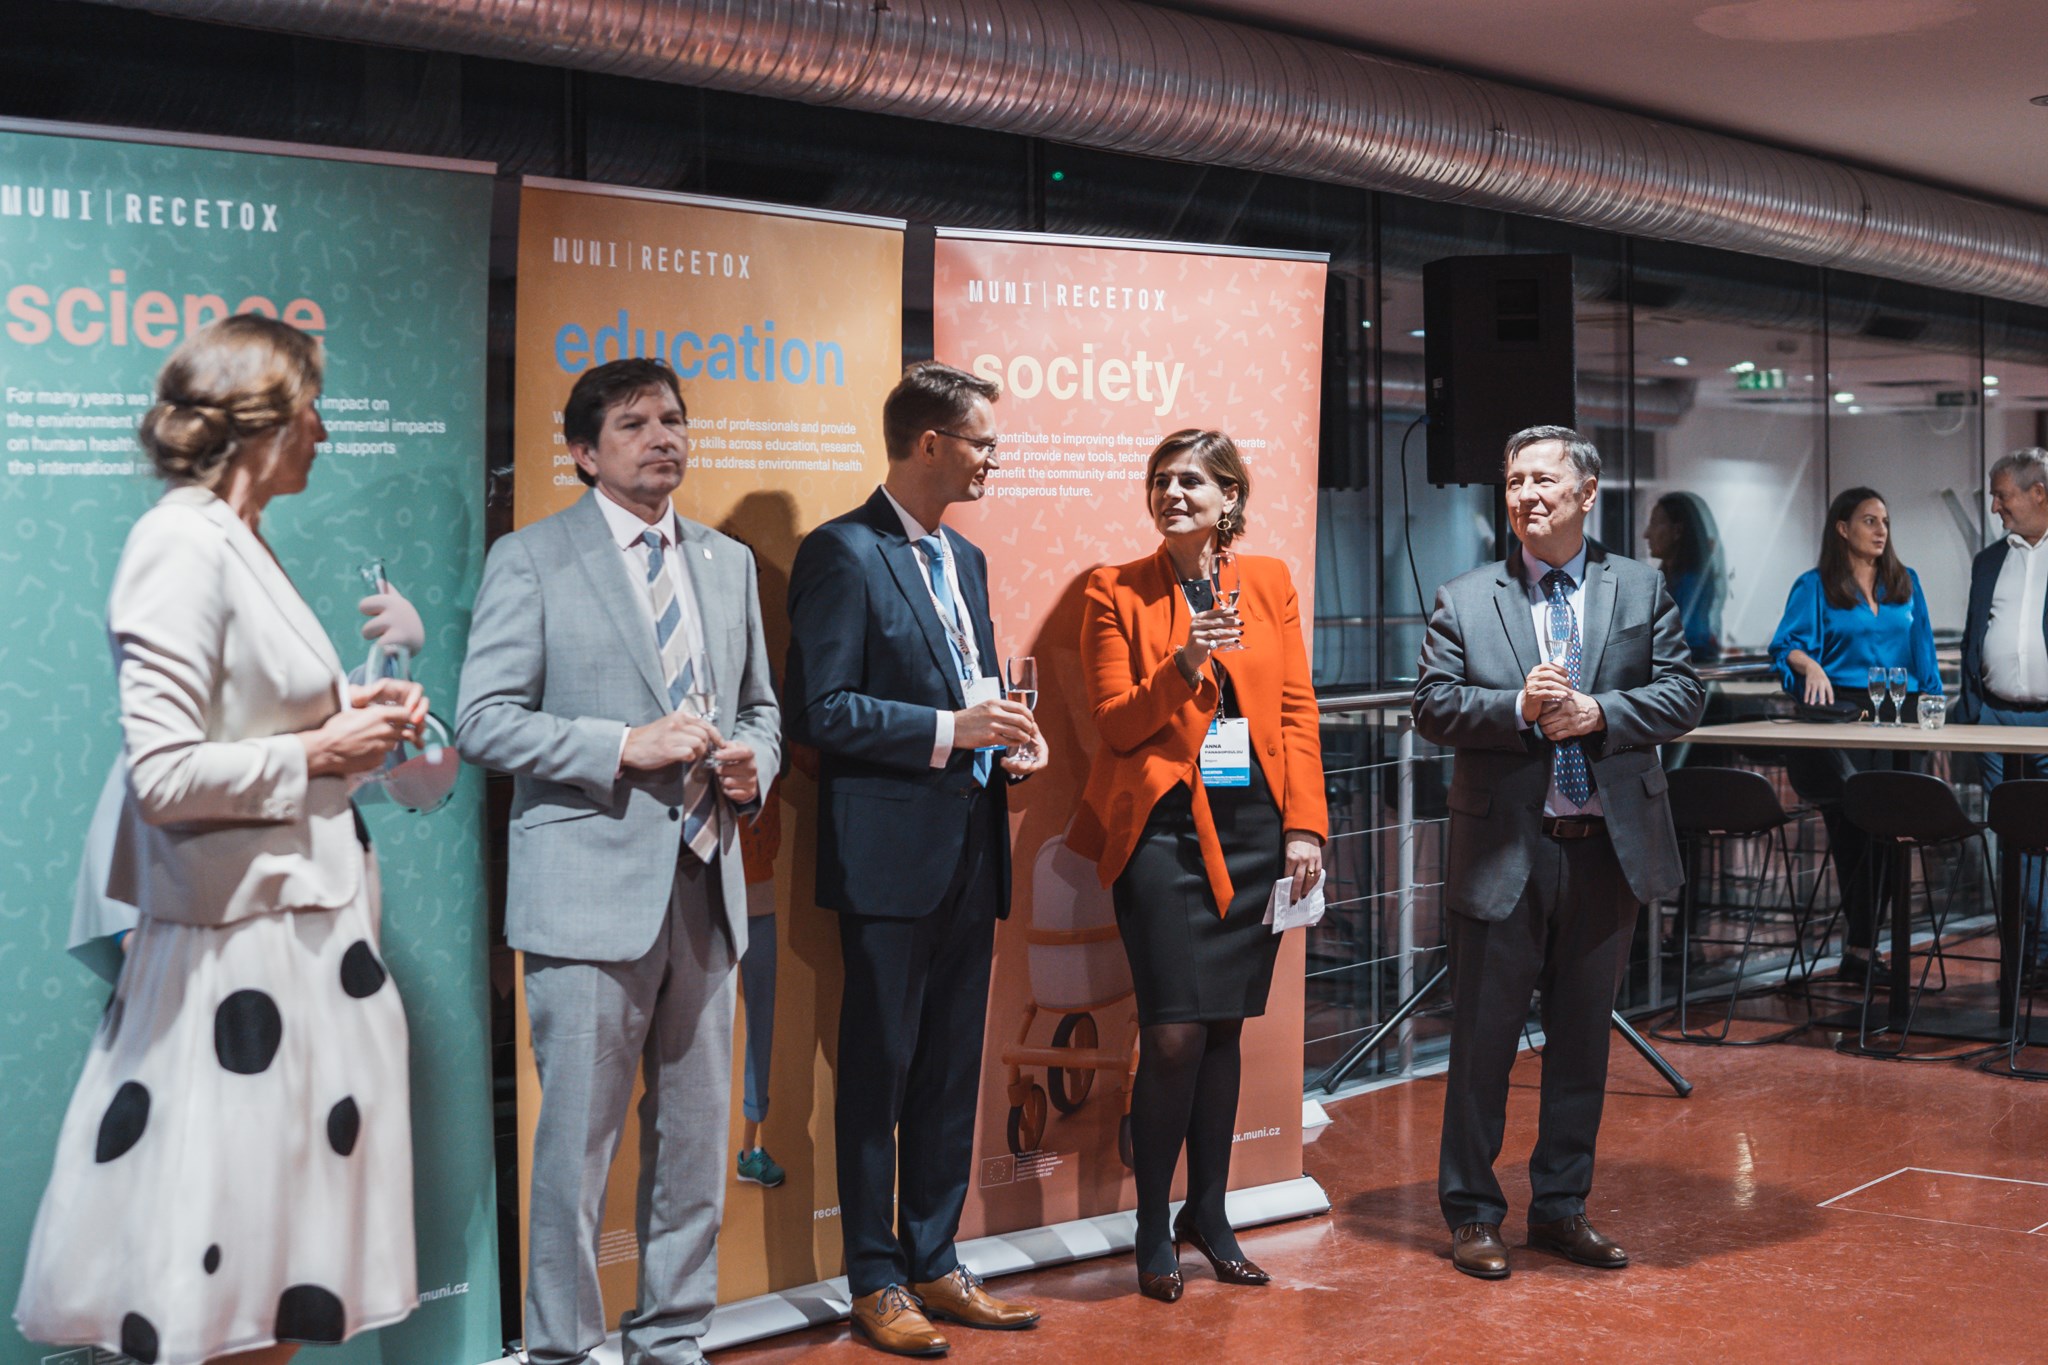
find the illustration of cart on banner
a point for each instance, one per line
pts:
(1078, 970)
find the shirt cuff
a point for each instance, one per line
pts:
(1522, 721)
(942, 739)
(625, 734)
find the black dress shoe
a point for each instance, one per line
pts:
(1477, 1249)
(1857, 969)
(1574, 1239)
(1238, 1271)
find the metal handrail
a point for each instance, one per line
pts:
(1344, 703)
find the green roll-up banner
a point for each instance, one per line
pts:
(114, 246)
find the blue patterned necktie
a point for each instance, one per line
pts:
(1569, 770)
(679, 671)
(934, 551)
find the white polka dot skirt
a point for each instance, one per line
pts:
(235, 1168)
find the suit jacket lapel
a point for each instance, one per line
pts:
(974, 588)
(1511, 598)
(598, 555)
(1597, 603)
(709, 568)
(276, 585)
(906, 566)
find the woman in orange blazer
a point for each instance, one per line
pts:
(1192, 862)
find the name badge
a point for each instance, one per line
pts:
(979, 690)
(1227, 754)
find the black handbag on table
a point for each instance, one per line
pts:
(1827, 713)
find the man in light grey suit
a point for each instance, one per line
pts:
(610, 643)
(1559, 829)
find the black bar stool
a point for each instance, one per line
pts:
(1909, 813)
(1714, 809)
(2019, 817)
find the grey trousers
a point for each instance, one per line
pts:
(669, 1013)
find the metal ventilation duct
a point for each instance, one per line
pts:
(1127, 77)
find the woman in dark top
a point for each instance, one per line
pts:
(1861, 608)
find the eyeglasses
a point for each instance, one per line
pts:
(986, 445)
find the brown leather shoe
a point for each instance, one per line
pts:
(960, 1298)
(1477, 1249)
(891, 1319)
(1574, 1239)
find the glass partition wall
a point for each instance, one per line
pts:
(1730, 396)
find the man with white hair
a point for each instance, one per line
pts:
(1560, 829)
(2005, 640)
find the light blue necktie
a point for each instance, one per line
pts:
(679, 672)
(1570, 773)
(934, 551)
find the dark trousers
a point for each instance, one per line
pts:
(910, 1029)
(1821, 776)
(2033, 870)
(1567, 937)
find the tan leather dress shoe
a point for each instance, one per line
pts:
(1477, 1249)
(1574, 1239)
(891, 1319)
(960, 1298)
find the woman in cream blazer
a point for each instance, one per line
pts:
(1190, 851)
(241, 1132)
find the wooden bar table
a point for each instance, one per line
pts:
(2014, 741)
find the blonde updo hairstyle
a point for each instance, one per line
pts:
(1219, 459)
(240, 377)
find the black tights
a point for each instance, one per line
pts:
(1186, 1091)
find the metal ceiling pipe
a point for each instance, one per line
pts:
(1128, 77)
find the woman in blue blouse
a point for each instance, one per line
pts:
(1860, 609)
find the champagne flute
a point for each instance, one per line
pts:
(1895, 684)
(417, 777)
(1224, 584)
(1878, 680)
(704, 706)
(386, 660)
(1557, 632)
(1020, 685)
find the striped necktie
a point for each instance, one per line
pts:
(682, 675)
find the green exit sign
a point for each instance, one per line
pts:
(1760, 379)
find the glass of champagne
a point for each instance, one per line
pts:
(1557, 633)
(1878, 680)
(1224, 583)
(1020, 685)
(417, 777)
(704, 706)
(1895, 684)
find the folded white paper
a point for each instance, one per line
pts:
(1284, 912)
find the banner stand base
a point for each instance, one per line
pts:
(815, 1305)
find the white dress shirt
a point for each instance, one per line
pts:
(2015, 651)
(626, 529)
(1556, 802)
(942, 739)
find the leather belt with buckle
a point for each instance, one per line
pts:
(1573, 826)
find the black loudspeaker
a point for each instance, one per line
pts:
(1497, 354)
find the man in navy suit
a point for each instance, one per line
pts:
(894, 679)
(2005, 640)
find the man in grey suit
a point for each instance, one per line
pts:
(1554, 675)
(610, 641)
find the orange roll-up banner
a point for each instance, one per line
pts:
(1102, 348)
(785, 327)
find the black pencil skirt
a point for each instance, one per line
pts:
(1188, 963)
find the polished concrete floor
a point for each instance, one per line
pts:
(1802, 1205)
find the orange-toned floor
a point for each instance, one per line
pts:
(1802, 1205)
